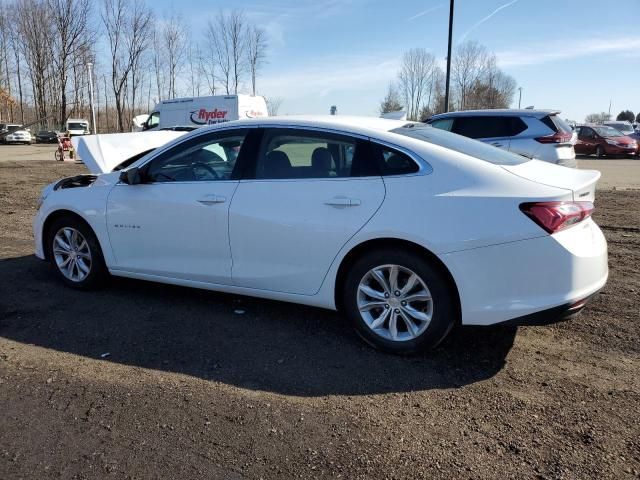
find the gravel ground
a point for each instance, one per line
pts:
(141, 380)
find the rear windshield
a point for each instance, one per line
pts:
(458, 143)
(77, 126)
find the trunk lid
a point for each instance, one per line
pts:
(581, 182)
(102, 153)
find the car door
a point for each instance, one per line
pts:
(307, 193)
(494, 130)
(175, 223)
(587, 142)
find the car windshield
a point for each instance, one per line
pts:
(452, 141)
(608, 132)
(76, 126)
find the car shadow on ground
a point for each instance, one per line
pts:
(249, 343)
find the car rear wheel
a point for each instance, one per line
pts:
(398, 302)
(75, 253)
(599, 151)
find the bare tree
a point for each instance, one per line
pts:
(207, 63)
(273, 105)
(34, 28)
(256, 52)
(597, 117)
(71, 34)
(226, 33)
(416, 74)
(468, 65)
(158, 62)
(174, 37)
(129, 28)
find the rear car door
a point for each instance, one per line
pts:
(494, 130)
(307, 193)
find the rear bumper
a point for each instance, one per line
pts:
(514, 280)
(551, 315)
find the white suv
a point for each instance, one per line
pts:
(539, 134)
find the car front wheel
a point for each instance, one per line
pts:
(399, 302)
(75, 253)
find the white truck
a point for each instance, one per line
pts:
(198, 111)
(77, 126)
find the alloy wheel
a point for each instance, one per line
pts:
(394, 302)
(72, 254)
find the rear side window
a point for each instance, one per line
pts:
(488, 127)
(392, 161)
(296, 153)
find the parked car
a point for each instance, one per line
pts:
(47, 136)
(17, 134)
(539, 134)
(407, 229)
(601, 140)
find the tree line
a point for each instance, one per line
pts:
(137, 58)
(476, 82)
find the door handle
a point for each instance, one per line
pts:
(343, 202)
(496, 144)
(212, 199)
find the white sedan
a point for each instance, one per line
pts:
(405, 228)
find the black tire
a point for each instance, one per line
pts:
(599, 151)
(98, 271)
(444, 314)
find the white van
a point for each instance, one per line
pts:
(77, 126)
(198, 111)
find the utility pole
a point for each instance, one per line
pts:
(448, 81)
(520, 97)
(93, 111)
(609, 110)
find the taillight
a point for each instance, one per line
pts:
(559, 137)
(556, 216)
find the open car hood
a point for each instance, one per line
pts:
(102, 153)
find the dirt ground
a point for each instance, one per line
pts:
(141, 380)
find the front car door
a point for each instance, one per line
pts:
(175, 223)
(306, 195)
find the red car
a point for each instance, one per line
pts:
(602, 140)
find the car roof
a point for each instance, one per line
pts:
(353, 124)
(507, 112)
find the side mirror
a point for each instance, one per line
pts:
(131, 176)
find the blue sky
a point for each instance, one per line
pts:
(573, 55)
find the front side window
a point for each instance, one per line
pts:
(292, 153)
(153, 120)
(204, 158)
